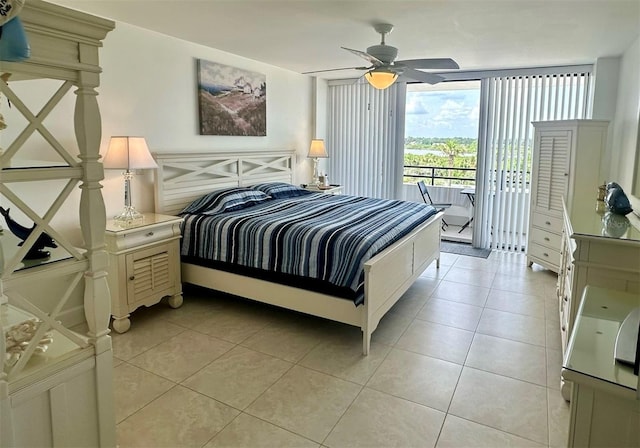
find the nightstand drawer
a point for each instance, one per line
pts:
(333, 189)
(141, 237)
(146, 236)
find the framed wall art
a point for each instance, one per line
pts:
(231, 101)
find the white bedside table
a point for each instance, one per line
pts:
(332, 189)
(144, 265)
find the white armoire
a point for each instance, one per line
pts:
(56, 377)
(566, 165)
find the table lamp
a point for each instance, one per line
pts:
(316, 151)
(128, 153)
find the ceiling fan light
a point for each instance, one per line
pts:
(380, 79)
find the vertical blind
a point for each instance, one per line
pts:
(508, 106)
(361, 140)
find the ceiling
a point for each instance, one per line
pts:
(306, 35)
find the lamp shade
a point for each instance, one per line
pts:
(128, 153)
(380, 79)
(317, 149)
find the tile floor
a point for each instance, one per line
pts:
(469, 357)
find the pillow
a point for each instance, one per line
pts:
(226, 200)
(281, 190)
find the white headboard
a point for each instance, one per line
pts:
(185, 176)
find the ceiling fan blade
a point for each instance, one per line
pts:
(373, 60)
(417, 75)
(434, 63)
(336, 69)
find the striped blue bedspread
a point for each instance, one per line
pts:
(322, 236)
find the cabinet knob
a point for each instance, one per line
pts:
(545, 254)
(547, 223)
(546, 238)
(150, 234)
(133, 277)
(566, 299)
(563, 328)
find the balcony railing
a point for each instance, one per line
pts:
(440, 175)
(455, 176)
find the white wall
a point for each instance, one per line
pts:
(320, 92)
(626, 154)
(148, 88)
(605, 95)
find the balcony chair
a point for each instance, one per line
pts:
(424, 192)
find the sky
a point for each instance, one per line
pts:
(442, 113)
(212, 73)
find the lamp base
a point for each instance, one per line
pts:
(129, 217)
(315, 180)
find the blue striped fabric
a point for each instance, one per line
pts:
(226, 199)
(322, 236)
(281, 190)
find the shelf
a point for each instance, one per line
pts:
(591, 347)
(60, 348)
(31, 174)
(9, 247)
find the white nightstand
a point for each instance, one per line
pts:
(144, 265)
(332, 189)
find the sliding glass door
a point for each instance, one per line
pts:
(440, 149)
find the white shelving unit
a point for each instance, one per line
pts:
(62, 397)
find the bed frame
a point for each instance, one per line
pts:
(183, 177)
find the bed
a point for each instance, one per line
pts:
(181, 178)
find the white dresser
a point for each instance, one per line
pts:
(566, 165)
(605, 405)
(591, 256)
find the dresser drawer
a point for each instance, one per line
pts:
(546, 222)
(544, 238)
(544, 253)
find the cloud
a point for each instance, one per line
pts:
(214, 73)
(442, 114)
(416, 105)
(452, 111)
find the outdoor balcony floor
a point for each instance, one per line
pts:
(451, 234)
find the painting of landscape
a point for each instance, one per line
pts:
(232, 101)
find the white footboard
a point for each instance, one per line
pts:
(389, 274)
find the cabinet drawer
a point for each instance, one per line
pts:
(544, 253)
(546, 222)
(139, 238)
(544, 238)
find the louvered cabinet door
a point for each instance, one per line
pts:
(551, 171)
(150, 274)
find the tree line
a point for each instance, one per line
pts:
(455, 152)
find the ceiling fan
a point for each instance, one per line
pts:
(384, 69)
